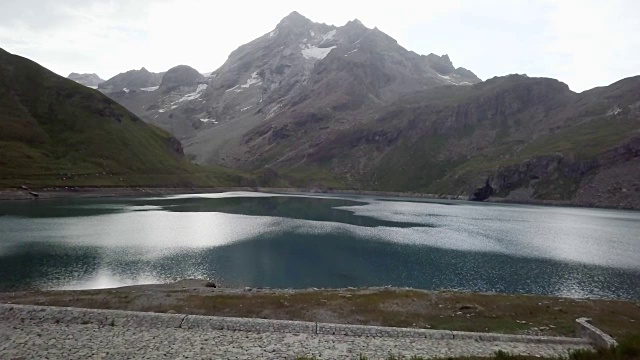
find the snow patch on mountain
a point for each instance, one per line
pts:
(316, 53)
(273, 111)
(452, 81)
(329, 35)
(449, 79)
(614, 111)
(194, 95)
(152, 88)
(188, 97)
(253, 80)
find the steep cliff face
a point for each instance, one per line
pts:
(610, 180)
(554, 177)
(593, 154)
(616, 181)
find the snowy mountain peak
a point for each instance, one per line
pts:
(301, 72)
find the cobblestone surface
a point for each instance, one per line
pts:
(65, 315)
(28, 340)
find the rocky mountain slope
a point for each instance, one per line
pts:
(173, 105)
(90, 80)
(300, 65)
(520, 138)
(311, 104)
(131, 80)
(54, 131)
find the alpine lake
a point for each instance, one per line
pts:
(242, 239)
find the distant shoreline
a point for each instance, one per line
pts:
(47, 193)
(98, 192)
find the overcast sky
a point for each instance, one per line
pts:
(585, 43)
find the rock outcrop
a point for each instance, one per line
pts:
(181, 75)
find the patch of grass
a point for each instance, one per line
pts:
(630, 347)
(55, 132)
(514, 314)
(306, 177)
(586, 140)
(414, 167)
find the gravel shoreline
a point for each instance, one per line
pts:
(79, 333)
(31, 341)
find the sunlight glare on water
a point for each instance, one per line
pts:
(254, 239)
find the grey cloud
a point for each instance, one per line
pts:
(36, 14)
(49, 14)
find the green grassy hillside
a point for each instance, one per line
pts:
(56, 132)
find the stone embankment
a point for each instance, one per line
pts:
(31, 331)
(596, 336)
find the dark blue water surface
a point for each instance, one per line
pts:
(268, 240)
